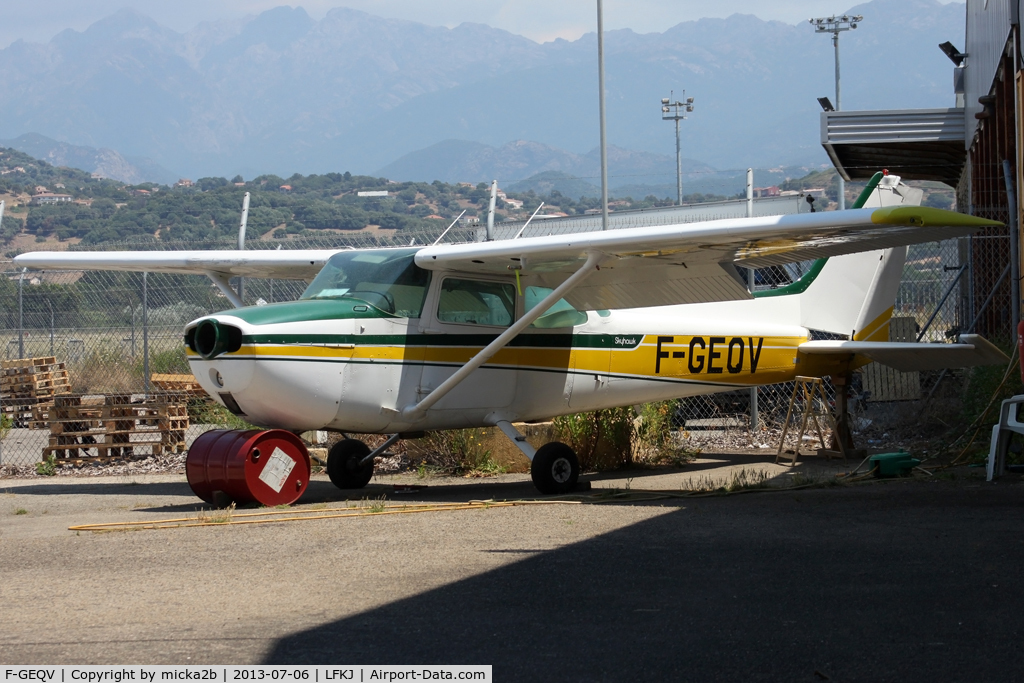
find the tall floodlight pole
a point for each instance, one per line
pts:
(835, 25)
(677, 111)
(604, 132)
(241, 242)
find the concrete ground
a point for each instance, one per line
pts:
(901, 580)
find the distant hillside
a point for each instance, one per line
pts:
(105, 163)
(326, 205)
(547, 182)
(316, 205)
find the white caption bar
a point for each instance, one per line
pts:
(242, 674)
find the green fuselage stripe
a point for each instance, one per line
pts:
(556, 341)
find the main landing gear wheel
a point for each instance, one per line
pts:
(343, 464)
(555, 468)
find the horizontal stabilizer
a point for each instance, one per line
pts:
(972, 350)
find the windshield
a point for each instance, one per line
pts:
(386, 279)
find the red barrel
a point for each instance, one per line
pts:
(270, 467)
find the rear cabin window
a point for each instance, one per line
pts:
(561, 314)
(476, 302)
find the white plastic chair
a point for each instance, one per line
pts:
(1008, 425)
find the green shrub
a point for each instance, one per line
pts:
(47, 467)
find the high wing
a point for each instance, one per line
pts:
(696, 262)
(972, 350)
(638, 267)
(285, 264)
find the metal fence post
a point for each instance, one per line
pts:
(131, 307)
(21, 314)
(145, 329)
(1011, 205)
(50, 306)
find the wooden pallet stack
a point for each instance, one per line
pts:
(91, 428)
(186, 384)
(29, 383)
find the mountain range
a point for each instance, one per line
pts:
(102, 163)
(459, 160)
(281, 92)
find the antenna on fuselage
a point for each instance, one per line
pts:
(449, 227)
(522, 229)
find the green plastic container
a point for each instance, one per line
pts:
(893, 464)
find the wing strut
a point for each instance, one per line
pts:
(418, 411)
(223, 283)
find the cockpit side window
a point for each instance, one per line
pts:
(386, 279)
(476, 302)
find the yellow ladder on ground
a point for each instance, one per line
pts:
(815, 408)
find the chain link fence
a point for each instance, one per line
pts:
(113, 331)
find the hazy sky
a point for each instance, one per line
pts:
(541, 20)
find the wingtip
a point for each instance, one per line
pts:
(923, 216)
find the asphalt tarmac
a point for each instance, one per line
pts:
(904, 581)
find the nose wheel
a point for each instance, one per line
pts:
(348, 466)
(555, 468)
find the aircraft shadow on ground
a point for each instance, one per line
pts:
(85, 487)
(435, 489)
(917, 583)
(427, 490)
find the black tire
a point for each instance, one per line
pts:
(343, 464)
(555, 468)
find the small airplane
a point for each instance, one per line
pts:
(401, 341)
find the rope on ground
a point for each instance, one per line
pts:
(228, 517)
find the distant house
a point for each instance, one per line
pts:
(184, 182)
(772, 191)
(50, 198)
(285, 188)
(16, 169)
(139, 193)
(514, 203)
(470, 220)
(41, 190)
(436, 217)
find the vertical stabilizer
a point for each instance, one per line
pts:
(854, 294)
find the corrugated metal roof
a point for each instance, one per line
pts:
(917, 144)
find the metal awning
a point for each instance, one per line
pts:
(916, 144)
